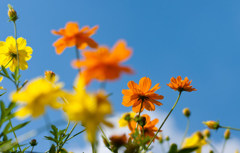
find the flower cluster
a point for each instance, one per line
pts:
(90, 109)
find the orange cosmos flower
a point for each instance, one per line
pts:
(149, 128)
(137, 94)
(72, 36)
(181, 85)
(103, 64)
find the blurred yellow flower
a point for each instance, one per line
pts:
(196, 140)
(123, 121)
(36, 95)
(1, 78)
(8, 53)
(88, 108)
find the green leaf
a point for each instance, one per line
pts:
(173, 148)
(2, 109)
(7, 118)
(5, 71)
(5, 131)
(52, 149)
(51, 139)
(25, 149)
(11, 106)
(187, 150)
(19, 126)
(54, 131)
(62, 150)
(3, 94)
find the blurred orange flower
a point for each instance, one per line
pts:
(137, 94)
(72, 36)
(103, 64)
(118, 140)
(181, 85)
(149, 128)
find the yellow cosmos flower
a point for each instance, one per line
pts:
(36, 95)
(123, 121)
(8, 53)
(87, 108)
(196, 140)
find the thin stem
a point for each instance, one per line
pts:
(187, 128)
(66, 139)
(76, 134)
(67, 127)
(15, 136)
(77, 56)
(32, 149)
(165, 120)
(105, 136)
(227, 127)
(15, 34)
(211, 145)
(224, 144)
(139, 112)
(7, 63)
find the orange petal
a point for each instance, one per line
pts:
(155, 88)
(71, 28)
(120, 52)
(59, 45)
(149, 106)
(132, 85)
(145, 84)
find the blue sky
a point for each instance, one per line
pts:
(197, 39)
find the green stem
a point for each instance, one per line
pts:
(15, 136)
(77, 56)
(93, 148)
(76, 134)
(66, 139)
(15, 34)
(224, 144)
(187, 128)
(32, 149)
(227, 127)
(165, 120)
(139, 112)
(211, 145)
(105, 136)
(67, 127)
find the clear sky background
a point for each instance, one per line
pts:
(197, 39)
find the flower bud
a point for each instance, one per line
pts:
(211, 151)
(167, 138)
(50, 76)
(199, 134)
(140, 120)
(160, 139)
(186, 112)
(227, 134)
(33, 142)
(212, 124)
(207, 133)
(12, 14)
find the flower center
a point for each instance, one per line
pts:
(142, 97)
